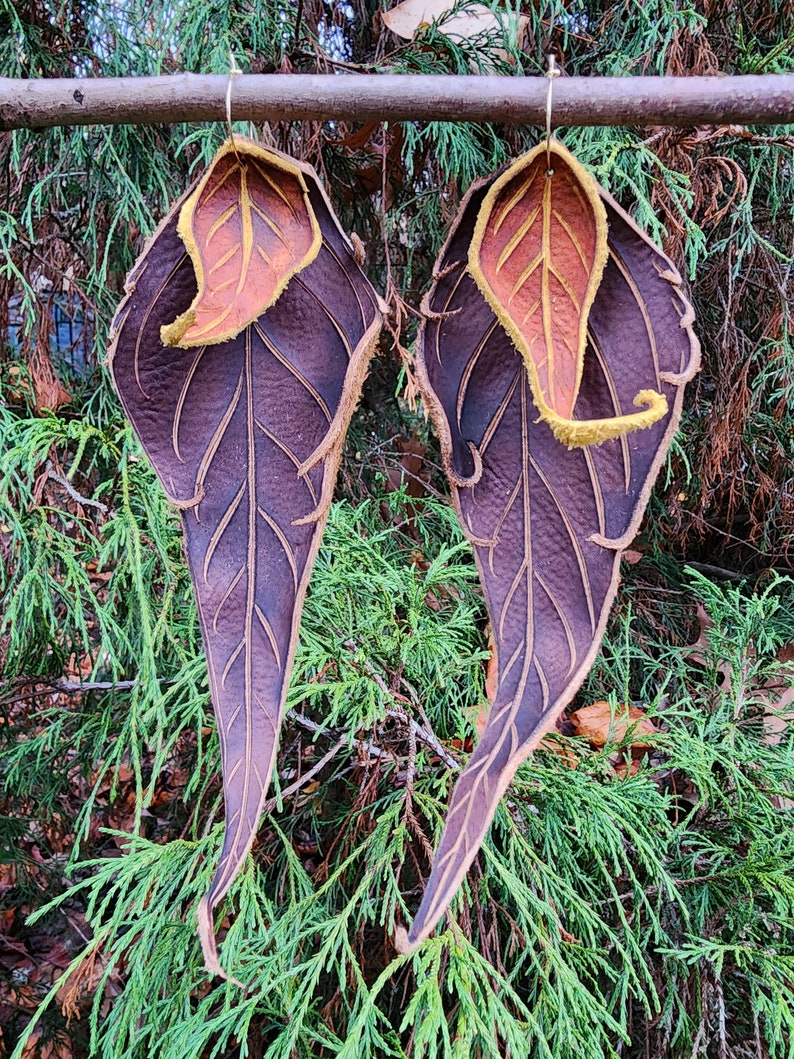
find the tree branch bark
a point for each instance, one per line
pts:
(683, 101)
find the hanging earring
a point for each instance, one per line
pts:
(550, 315)
(239, 354)
(538, 253)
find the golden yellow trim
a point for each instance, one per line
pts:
(576, 433)
(571, 432)
(172, 334)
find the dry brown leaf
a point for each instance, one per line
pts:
(775, 696)
(701, 648)
(626, 769)
(56, 1046)
(491, 685)
(560, 746)
(492, 674)
(409, 477)
(410, 17)
(600, 726)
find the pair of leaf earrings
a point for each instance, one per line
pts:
(239, 353)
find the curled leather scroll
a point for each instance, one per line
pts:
(538, 254)
(249, 228)
(548, 523)
(245, 435)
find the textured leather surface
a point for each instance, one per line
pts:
(248, 227)
(245, 436)
(538, 256)
(548, 523)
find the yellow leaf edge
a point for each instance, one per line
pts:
(172, 334)
(575, 433)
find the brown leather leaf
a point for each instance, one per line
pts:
(245, 436)
(249, 228)
(537, 254)
(548, 523)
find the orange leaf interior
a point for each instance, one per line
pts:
(249, 228)
(538, 255)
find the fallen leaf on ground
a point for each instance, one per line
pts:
(625, 769)
(561, 747)
(491, 684)
(775, 696)
(599, 725)
(409, 474)
(39, 1046)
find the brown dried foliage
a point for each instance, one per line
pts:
(737, 511)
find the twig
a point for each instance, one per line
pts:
(427, 737)
(322, 59)
(718, 571)
(76, 687)
(754, 99)
(72, 687)
(298, 19)
(70, 489)
(428, 728)
(312, 726)
(271, 803)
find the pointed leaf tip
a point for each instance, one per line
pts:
(547, 523)
(245, 437)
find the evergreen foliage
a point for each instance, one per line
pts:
(634, 905)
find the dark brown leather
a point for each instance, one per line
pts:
(548, 523)
(246, 437)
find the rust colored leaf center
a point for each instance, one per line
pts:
(248, 228)
(538, 256)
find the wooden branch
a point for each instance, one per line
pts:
(682, 101)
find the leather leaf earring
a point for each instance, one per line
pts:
(239, 353)
(551, 317)
(538, 254)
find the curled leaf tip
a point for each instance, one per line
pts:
(171, 334)
(576, 433)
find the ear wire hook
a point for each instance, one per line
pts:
(234, 71)
(551, 73)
